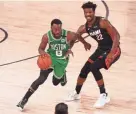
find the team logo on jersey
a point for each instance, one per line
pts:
(95, 33)
(58, 46)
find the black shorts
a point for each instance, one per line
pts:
(99, 58)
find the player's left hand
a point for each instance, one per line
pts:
(110, 56)
(69, 52)
(109, 59)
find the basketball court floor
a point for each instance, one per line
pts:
(26, 22)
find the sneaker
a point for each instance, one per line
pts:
(64, 80)
(21, 104)
(103, 99)
(73, 96)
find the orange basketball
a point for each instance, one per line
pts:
(44, 62)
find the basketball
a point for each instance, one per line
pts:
(44, 62)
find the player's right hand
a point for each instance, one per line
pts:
(87, 46)
(44, 54)
(68, 53)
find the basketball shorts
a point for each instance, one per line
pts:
(59, 66)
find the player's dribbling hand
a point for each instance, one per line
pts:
(69, 52)
(44, 54)
(87, 46)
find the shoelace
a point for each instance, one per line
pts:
(102, 96)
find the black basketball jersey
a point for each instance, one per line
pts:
(100, 35)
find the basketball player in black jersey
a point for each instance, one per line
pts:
(107, 52)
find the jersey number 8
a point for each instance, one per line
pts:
(59, 53)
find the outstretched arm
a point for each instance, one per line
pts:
(81, 30)
(79, 33)
(71, 38)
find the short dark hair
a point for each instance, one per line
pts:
(89, 5)
(61, 108)
(56, 21)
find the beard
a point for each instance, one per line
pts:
(89, 19)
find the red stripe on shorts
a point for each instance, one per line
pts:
(90, 60)
(115, 55)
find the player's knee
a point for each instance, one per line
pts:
(83, 74)
(43, 76)
(85, 70)
(97, 75)
(37, 82)
(88, 67)
(41, 79)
